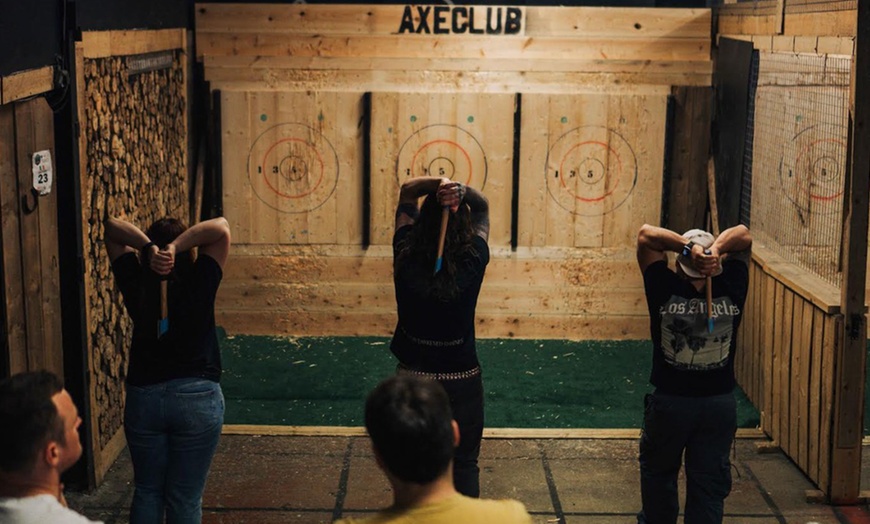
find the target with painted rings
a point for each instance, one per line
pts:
(292, 168)
(443, 150)
(590, 171)
(812, 169)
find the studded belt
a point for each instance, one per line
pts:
(401, 369)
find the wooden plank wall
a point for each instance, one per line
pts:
(31, 279)
(589, 86)
(790, 331)
(23, 84)
(826, 27)
(133, 145)
(358, 48)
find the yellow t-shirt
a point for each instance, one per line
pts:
(453, 510)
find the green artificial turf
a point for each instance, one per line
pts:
(323, 381)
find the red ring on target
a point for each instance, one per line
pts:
(799, 180)
(442, 141)
(562, 170)
(265, 171)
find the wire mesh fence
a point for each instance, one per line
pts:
(799, 158)
(819, 6)
(762, 7)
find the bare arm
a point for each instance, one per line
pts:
(124, 237)
(212, 237)
(654, 242)
(479, 206)
(408, 209)
(734, 240)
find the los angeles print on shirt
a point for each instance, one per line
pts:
(686, 342)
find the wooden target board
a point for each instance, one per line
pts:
(812, 168)
(292, 167)
(466, 137)
(591, 170)
(798, 171)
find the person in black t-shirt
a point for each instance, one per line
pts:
(692, 409)
(434, 336)
(174, 408)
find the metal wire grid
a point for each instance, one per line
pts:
(819, 6)
(799, 158)
(768, 7)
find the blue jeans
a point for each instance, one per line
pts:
(172, 430)
(702, 426)
(466, 402)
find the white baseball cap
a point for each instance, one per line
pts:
(703, 239)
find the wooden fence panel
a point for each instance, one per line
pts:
(795, 336)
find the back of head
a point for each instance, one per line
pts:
(164, 231)
(30, 418)
(417, 253)
(410, 423)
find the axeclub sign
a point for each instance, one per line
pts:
(475, 20)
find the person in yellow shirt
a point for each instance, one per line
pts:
(413, 436)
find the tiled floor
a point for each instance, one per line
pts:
(264, 480)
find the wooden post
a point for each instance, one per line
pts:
(849, 356)
(779, 20)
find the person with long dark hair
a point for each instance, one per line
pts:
(434, 335)
(174, 409)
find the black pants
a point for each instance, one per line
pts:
(701, 429)
(466, 401)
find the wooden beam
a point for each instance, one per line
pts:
(89, 359)
(779, 16)
(664, 48)
(10, 255)
(831, 23)
(849, 387)
(102, 44)
(489, 433)
(823, 295)
(26, 83)
(835, 45)
(432, 82)
(552, 65)
(689, 149)
(105, 457)
(746, 25)
(349, 19)
(581, 326)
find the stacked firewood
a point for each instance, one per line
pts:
(135, 129)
